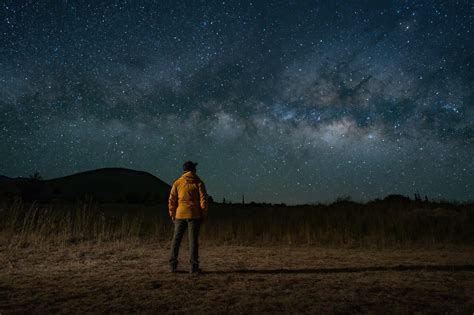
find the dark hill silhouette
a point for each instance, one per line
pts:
(101, 185)
(5, 178)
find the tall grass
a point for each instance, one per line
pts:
(343, 225)
(32, 224)
(339, 224)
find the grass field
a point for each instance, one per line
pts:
(379, 224)
(342, 258)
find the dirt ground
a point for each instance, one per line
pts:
(126, 277)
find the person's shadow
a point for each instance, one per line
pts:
(432, 268)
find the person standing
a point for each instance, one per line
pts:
(188, 206)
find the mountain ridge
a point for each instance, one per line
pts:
(111, 184)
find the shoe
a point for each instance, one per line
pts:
(174, 269)
(195, 270)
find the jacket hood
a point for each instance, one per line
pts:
(190, 177)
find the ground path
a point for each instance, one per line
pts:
(126, 277)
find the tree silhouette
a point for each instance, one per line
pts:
(35, 176)
(31, 187)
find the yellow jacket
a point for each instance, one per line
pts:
(188, 197)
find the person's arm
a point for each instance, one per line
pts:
(203, 199)
(173, 201)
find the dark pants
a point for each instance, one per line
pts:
(180, 226)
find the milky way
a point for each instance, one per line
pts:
(295, 101)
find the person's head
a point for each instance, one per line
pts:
(189, 166)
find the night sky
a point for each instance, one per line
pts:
(291, 101)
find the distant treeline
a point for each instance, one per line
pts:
(119, 185)
(34, 189)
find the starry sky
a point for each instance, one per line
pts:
(280, 101)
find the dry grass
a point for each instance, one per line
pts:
(133, 277)
(380, 225)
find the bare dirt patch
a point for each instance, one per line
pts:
(134, 277)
